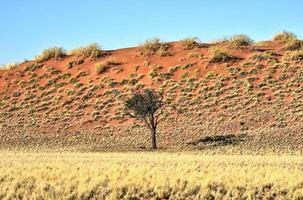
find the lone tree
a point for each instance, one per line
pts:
(147, 106)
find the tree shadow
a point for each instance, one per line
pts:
(220, 140)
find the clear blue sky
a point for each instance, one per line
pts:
(29, 26)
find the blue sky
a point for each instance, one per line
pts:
(28, 27)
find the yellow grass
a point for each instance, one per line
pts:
(190, 43)
(238, 41)
(149, 175)
(154, 47)
(105, 65)
(92, 51)
(51, 53)
(8, 66)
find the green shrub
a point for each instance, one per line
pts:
(70, 92)
(284, 37)
(190, 43)
(221, 56)
(238, 41)
(73, 80)
(174, 69)
(70, 64)
(154, 47)
(210, 74)
(78, 85)
(56, 53)
(266, 55)
(185, 75)
(16, 94)
(136, 67)
(92, 51)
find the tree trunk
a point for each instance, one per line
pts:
(153, 138)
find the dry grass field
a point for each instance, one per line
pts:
(149, 175)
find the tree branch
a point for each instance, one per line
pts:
(129, 114)
(147, 124)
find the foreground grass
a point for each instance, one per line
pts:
(149, 175)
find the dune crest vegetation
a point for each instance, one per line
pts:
(284, 37)
(238, 41)
(92, 51)
(154, 47)
(219, 55)
(190, 43)
(56, 53)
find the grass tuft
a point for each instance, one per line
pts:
(294, 56)
(266, 55)
(154, 47)
(8, 66)
(238, 41)
(293, 45)
(56, 53)
(194, 55)
(284, 37)
(105, 65)
(221, 56)
(92, 51)
(190, 43)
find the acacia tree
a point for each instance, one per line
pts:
(147, 106)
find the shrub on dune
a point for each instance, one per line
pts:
(294, 56)
(8, 66)
(238, 41)
(190, 43)
(284, 37)
(102, 67)
(105, 65)
(56, 53)
(293, 45)
(221, 56)
(154, 47)
(92, 51)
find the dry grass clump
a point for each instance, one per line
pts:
(220, 56)
(190, 43)
(149, 176)
(284, 37)
(238, 41)
(154, 47)
(104, 66)
(293, 45)
(92, 51)
(267, 55)
(294, 56)
(8, 66)
(194, 55)
(56, 53)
